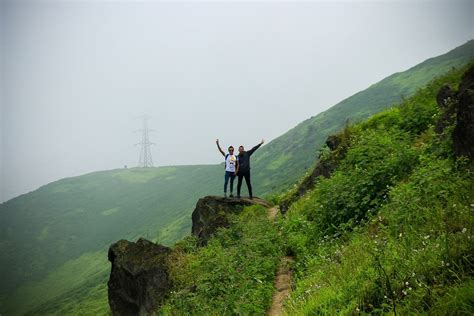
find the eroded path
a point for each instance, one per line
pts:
(282, 279)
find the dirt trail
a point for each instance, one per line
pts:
(272, 212)
(282, 278)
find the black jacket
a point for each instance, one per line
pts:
(244, 159)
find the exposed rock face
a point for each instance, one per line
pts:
(139, 278)
(445, 96)
(211, 213)
(333, 141)
(463, 134)
(458, 109)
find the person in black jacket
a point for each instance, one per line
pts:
(243, 168)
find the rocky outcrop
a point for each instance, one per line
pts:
(139, 278)
(458, 109)
(463, 134)
(212, 212)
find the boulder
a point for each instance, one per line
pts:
(212, 212)
(139, 279)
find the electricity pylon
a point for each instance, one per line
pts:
(145, 160)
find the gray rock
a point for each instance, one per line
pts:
(139, 279)
(212, 212)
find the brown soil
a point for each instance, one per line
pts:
(282, 286)
(282, 278)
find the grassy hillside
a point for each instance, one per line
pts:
(70, 223)
(283, 161)
(390, 231)
(46, 233)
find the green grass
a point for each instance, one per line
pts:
(390, 231)
(300, 145)
(392, 228)
(61, 222)
(74, 274)
(233, 274)
(43, 230)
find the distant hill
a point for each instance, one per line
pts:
(56, 237)
(63, 229)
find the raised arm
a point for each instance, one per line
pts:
(251, 151)
(219, 147)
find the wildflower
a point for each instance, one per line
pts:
(400, 235)
(406, 283)
(413, 274)
(405, 292)
(427, 236)
(448, 264)
(454, 205)
(464, 230)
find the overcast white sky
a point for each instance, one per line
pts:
(76, 75)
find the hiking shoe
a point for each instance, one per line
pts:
(225, 194)
(238, 196)
(251, 197)
(231, 195)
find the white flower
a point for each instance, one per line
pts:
(464, 230)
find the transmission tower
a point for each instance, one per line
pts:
(145, 159)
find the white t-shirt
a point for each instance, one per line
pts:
(230, 163)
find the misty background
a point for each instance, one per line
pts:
(75, 76)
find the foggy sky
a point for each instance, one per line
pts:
(76, 75)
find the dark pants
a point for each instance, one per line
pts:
(246, 175)
(228, 175)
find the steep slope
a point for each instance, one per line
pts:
(389, 231)
(283, 161)
(45, 233)
(68, 222)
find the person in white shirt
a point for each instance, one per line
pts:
(231, 163)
